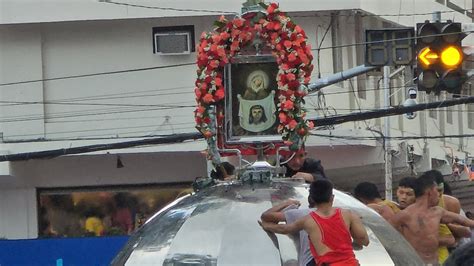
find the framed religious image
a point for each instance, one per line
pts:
(251, 102)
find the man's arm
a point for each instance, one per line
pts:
(357, 229)
(452, 204)
(275, 214)
(447, 241)
(451, 217)
(397, 220)
(306, 176)
(284, 228)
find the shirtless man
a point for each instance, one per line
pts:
(368, 194)
(329, 229)
(406, 192)
(419, 222)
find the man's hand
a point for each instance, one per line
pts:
(306, 176)
(292, 202)
(264, 225)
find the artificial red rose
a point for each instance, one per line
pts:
(206, 120)
(214, 64)
(216, 38)
(287, 44)
(203, 44)
(291, 57)
(234, 46)
(208, 98)
(289, 93)
(198, 120)
(292, 124)
(287, 105)
(294, 84)
(213, 48)
(271, 8)
(221, 52)
(283, 118)
(220, 94)
(238, 22)
(200, 110)
(197, 91)
(204, 86)
(208, 79)
(270, 26)
(218, 81)
(298, 29)
(290, 76)
(310, 124)
(302, 131)
(278, 47)
(224, 35)
(284, 67)
(276, 26)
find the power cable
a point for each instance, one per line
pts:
(394, 138)
(169, 8)
(96, 74)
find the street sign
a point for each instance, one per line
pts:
(389, 47)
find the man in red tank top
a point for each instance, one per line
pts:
(329, 229)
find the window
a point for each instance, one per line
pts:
(173, 40)
(101, 211)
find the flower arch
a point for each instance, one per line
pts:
(288, 43)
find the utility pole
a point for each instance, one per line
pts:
(386, 132)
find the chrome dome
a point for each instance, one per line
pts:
(218, 226)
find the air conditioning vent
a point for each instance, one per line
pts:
(173, 43)
(173, 40)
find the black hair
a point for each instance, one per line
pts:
(423, 183)
(461, 256)
(366, 190)
(320, 191)
(409, 182)
(440, 180)
(264, 117)
(437, 175)
(219, 172)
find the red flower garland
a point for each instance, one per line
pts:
(289, 45)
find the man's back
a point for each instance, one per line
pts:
(420, 227)
(330, 237)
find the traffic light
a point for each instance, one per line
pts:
(439, 57)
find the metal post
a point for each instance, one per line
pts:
(387, 147)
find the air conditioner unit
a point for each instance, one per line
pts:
(172, 43)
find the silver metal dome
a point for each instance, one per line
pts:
(218, 226)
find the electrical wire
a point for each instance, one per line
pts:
(95, 74)
(170, 8)
(394, 138)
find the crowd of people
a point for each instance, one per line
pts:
(60, 217)
(425, 213)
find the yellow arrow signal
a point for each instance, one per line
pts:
(427, 56)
